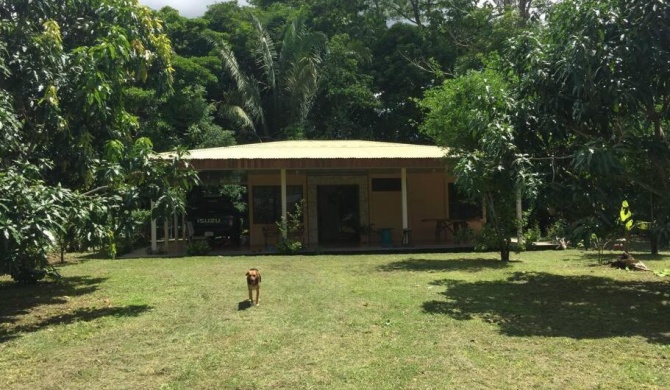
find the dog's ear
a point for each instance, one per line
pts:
(247, 274)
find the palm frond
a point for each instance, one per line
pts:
(247, 95)
(265, 54)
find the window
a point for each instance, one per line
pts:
(385, 184)
(267, 202)
(460, 208)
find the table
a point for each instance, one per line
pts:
(442, 225)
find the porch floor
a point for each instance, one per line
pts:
(177, 248)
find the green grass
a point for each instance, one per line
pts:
(549, 320)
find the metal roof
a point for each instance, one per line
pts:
(318, 150)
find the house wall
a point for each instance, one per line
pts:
(256, 239)
(427, 198)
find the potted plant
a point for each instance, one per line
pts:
(366, 230)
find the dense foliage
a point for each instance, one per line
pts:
(562, 103)
(73, 169)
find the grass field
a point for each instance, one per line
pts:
(547, 320)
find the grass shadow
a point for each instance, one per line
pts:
(613, 255)
(244, 305)
(18, 300)
(548, 305)
(471, 265)
(79, 315)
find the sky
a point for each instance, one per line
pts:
(188, 8)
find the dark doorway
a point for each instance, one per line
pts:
(338, 214)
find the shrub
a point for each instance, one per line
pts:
(291, 229)
(198, 248)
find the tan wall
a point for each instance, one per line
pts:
(427, 198)
(256, 239)
(385, 210)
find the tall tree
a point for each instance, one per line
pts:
(473, 117)
(64, 67)
(275, 105)
(345, 106)
(598, 81)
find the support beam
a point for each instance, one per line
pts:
(183, 227)
(406, 233)
(519, 218)
(175, 228)
(154, 236)
(166, 235)
(283, 200)
(403, 188)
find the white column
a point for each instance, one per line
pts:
(403, 187)
(166, 235)
(519, 218)
(283, 198)
(183, 227)
(175, 228)
(154, 239)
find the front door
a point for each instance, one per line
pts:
(338, 214)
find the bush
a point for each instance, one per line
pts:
(486, 240)
(290, 229)
(289, 246)
(198, 248)
(558, 230)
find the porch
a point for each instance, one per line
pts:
(353, 196)
(177, 248)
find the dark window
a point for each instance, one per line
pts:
(267, 202)
(386, 184)
(460, 208)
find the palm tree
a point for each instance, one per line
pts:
(276, 105)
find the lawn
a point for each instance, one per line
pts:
(548, 319)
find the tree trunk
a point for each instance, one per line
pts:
(653, 242)
(504, 253)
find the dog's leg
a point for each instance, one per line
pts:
(251, 296)
(258, 295)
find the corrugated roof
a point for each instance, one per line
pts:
(313, 149)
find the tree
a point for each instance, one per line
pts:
(345, 106)
(472, 116)
(64, 67)
(275, 105)
(597, 80)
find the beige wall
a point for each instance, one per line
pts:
(256, 230)
(427, 198)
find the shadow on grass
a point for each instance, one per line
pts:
(472, 265)
(79, 315)
(18, 300)
(244, 305)
(613, 255)
(579, 307)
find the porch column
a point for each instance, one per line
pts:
(154, 239)
(406, 238)
(166, 234)
(283, 200)
(183, 227)
(175, 228)
(519, 218)
(403, 188)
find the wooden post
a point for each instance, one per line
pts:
(154, 236)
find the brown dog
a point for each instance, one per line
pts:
(254, 283)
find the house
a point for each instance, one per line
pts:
(403, 191)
